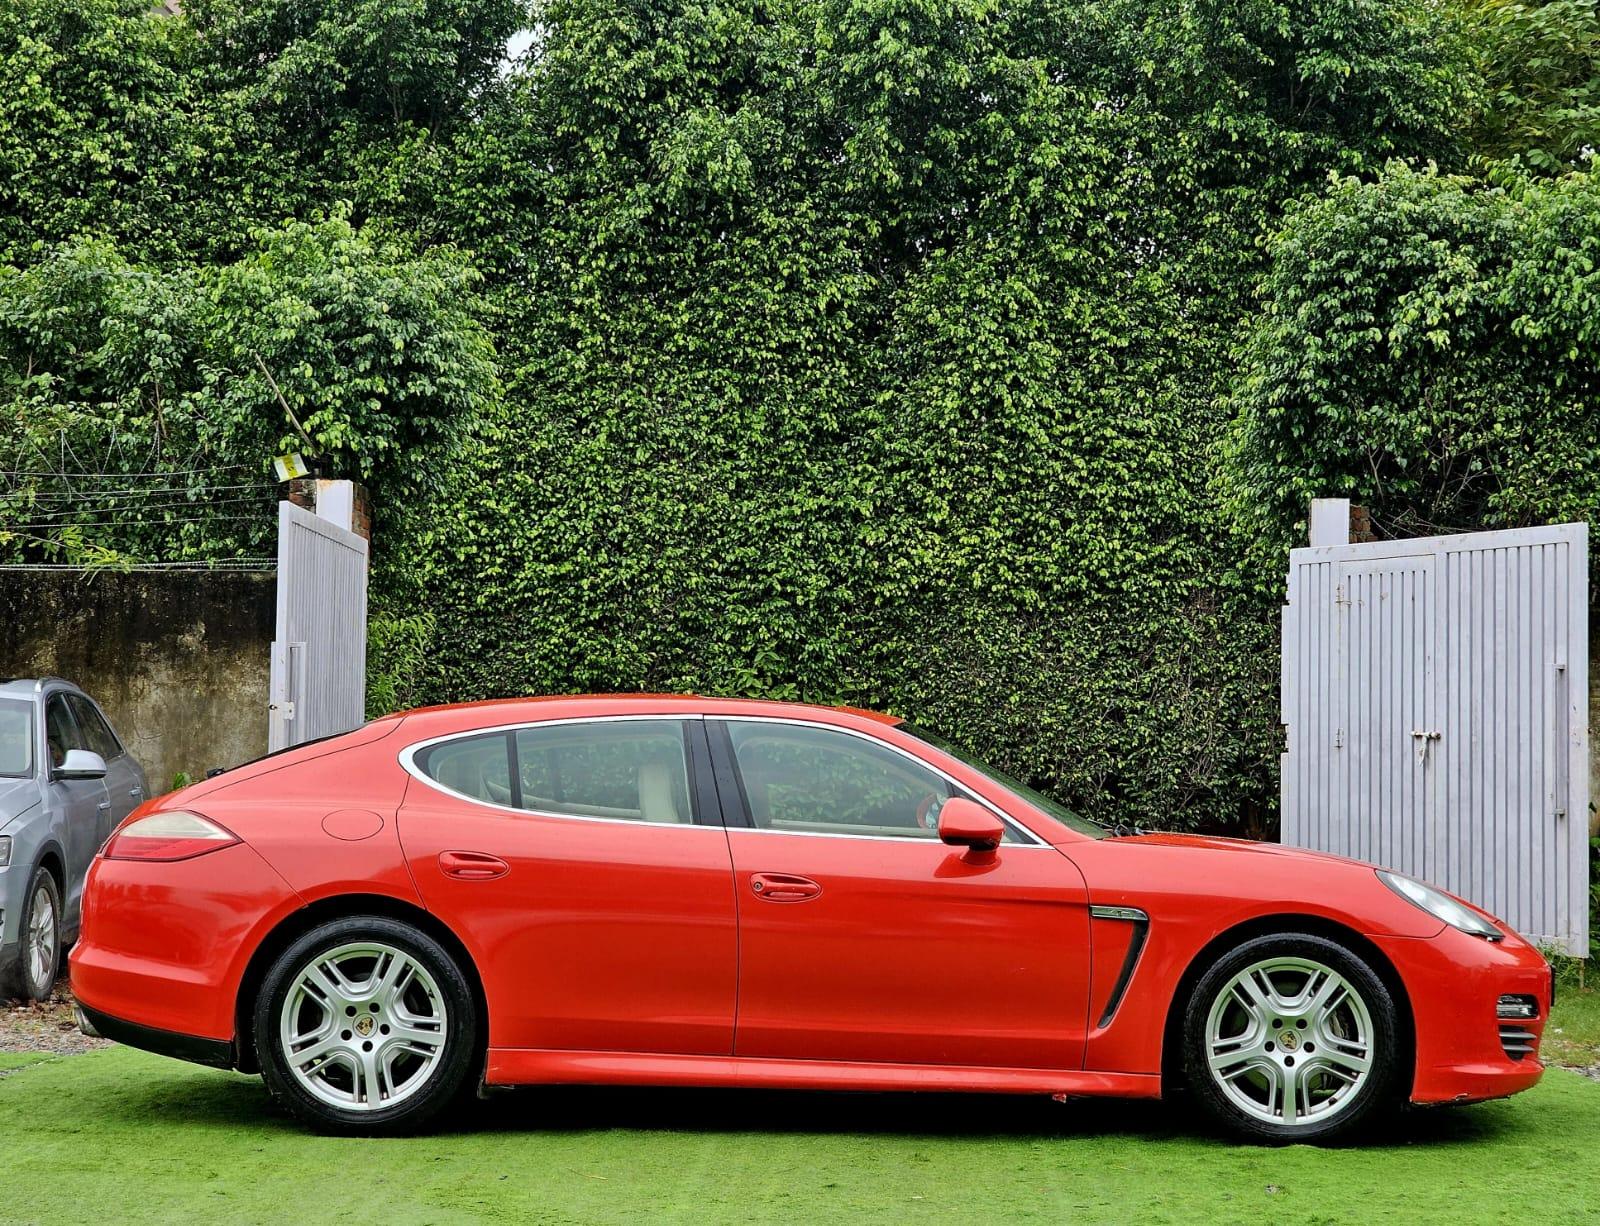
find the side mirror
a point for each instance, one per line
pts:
(965, 823)
(80, 764)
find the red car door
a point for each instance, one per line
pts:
(589, 877)
(864, 938)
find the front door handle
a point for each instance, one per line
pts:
(136, 792)
(472, 865)
(783, 887)
(103, 805)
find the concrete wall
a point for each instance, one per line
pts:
(177, 659)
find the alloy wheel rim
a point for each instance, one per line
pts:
(1289, 1042)
(41, 937)
(363, 1026)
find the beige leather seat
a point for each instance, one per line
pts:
(657, 801)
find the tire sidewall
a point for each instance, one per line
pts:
(29, 989)
(1380, 1086)
(461, 1043)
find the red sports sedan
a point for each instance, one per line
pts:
(688, 891)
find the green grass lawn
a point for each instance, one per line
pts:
(117, 1136)
(1573, 1036)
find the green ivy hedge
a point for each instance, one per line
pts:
(871, 351)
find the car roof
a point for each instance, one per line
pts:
(489, 712)
(28, 687)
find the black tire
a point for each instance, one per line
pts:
(446, 1080)
(1378, 1092)
(21, 982)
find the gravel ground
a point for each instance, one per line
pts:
(45, 1027)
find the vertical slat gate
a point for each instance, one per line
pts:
(319, 659)
(1435, 702)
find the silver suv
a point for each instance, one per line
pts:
(65, 783)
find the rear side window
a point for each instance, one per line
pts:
(625, 770)
(630, 769)
(96, 731)
(475, 766)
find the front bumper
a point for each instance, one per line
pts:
(1454, 982)
(214, 1053)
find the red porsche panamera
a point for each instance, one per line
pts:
(690, 891)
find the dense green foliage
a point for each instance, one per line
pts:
(1541, 68)
(852, 350)
(371, 351)
(1429, 345)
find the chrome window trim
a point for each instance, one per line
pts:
(1030, 839)
(408, 763)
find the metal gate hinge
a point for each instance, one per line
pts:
(285, 709)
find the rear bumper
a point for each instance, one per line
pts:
(196, 1049)
(164, 945)
(1454, 981)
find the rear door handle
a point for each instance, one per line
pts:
(136, 792)
(783, 887)
(472, 865)
(104, 804)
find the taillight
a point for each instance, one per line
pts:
(168, 836)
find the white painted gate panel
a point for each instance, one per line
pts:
(319, 659)
(1435, 700)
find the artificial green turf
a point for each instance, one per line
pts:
(120, 1136)
(1573, 1036)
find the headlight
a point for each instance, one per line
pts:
(1441, 906)
(5, 850)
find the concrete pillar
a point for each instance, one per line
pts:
(1330, 521)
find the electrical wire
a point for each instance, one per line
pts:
(155, 472)
(64, 515)
(113, 494)
(134, 523)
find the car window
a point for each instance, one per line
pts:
(475, 766)
(60, 730)
(815, 780)
(95, 730)
(16, 738)
(634, 770)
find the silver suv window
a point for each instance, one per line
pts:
(16, 738)
(96, 731)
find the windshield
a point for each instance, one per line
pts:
(1022, 791)
(16, 738)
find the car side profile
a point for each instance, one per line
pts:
(66, 781)
(689, 891)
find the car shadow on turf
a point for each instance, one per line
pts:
(231, 1100)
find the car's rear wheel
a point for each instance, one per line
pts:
(39, 958)
(365, 1025)
(1292, 1037)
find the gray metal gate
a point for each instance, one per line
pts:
(1435, 698)
(319, 659)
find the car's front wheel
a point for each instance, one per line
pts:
(365, 1025)
(39, 959)
(1292, 1037)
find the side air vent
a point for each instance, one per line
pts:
(1518, 1042)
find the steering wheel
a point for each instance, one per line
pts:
(928, 811)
